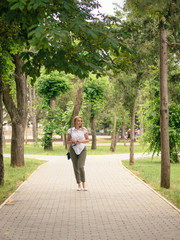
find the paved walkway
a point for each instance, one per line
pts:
(117, 205)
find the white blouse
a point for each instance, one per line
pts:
(75, 135)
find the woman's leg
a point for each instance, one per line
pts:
(81, 163)
(74, 159)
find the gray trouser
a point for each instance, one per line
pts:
(78, 164)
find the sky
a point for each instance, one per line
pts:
(107, 5)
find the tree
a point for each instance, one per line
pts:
(114, 101)
(151, 116)
(1, 134)
(32, 112)
(136, 70)
(167, 12)
(94, 93)
(7, 45)
(164, 109)
(78, 102)
(49, 87)
(17, 113)
(65, 35)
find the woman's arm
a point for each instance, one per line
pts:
(69, 140)
(86, 140)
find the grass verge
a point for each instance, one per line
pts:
(13, 177)
(149, 170)
(60, 150)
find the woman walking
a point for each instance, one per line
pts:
(78, 137)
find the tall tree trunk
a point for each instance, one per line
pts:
(1, 135)
(141, 114)
(93, 132)
(26, 133)
(164, 110)
(52, 103)
(32, 113)
(17, 145)
(141, 128)
(122, 131)
(123, 134)
(78, 102)
(49, 134)
(65, 141)
(4, 140)
(117, 135)
(17, 114)
(113, 142)
(131, 160)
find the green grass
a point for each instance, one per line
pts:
(149, 170)
(61, 151)
(13, 177)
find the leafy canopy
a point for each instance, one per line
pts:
(65, 35)
(53, 84)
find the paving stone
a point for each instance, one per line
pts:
(117, 205)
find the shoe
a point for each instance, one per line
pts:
(85, 189)
(79, 189)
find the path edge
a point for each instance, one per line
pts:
(7, 199)
(154, 191)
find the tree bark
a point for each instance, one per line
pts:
(4, 140)
(78, 102)
(32, 113)
(164, 110)
(131, 160)
(113, 142)
(1, 135)
(26, 134)
(52, 103)
(49, 135)
(122, 131)
(141, 114)
(65, 141)
(17, 114)
(17, 145)
(93, 132)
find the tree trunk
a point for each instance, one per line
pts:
(49, 134)
(52, 103)
(164, 110)
(117, 135)
(26, 134)
(17, 114)
(93, 132)
(113, 142)
(17, 145)
(123, 134)
(122, 131)
(131, 160)
(141, 114)
(1, 135)
(141, 128)
(4, 140)
(78, 102)
(65, 141)
(32, 113)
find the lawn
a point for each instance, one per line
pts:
(60, 150)
(13, 177)
(149, 170)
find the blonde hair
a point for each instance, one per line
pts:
(75, 118)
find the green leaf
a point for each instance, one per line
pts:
(16, 5)
(29, 7)
(76, 29)
(92, 34)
